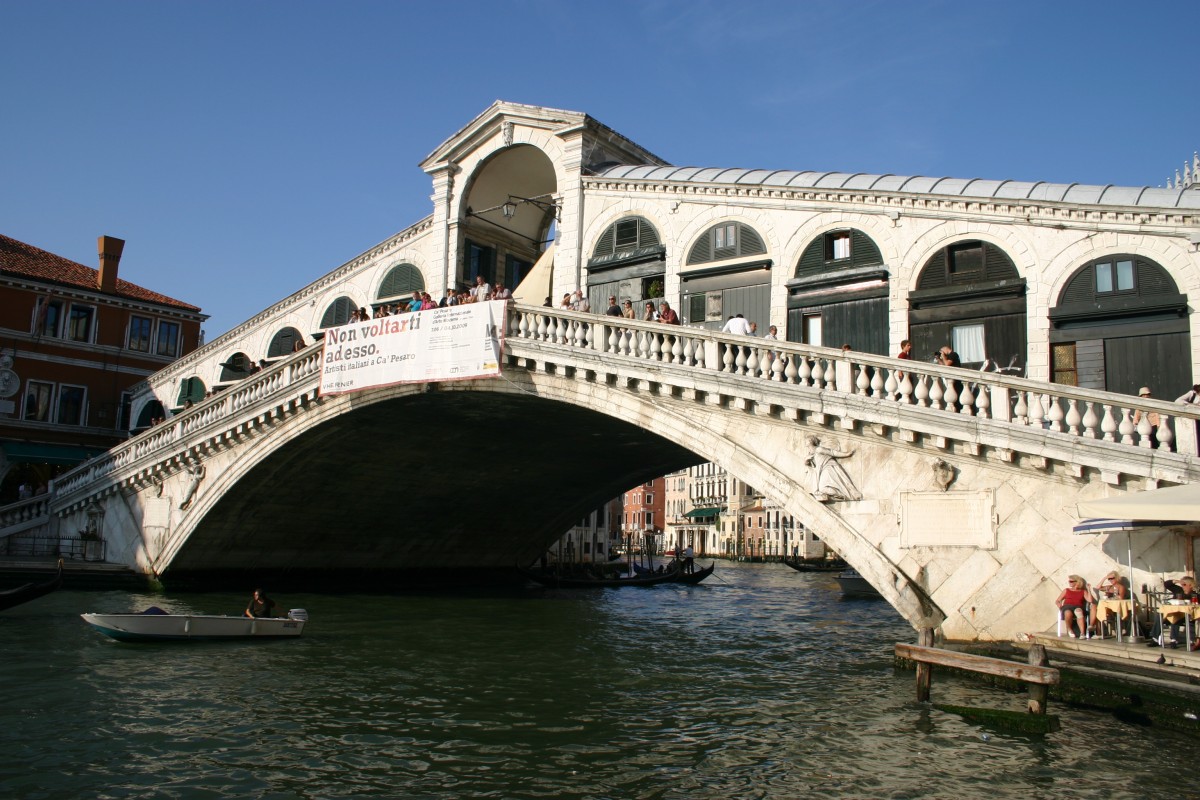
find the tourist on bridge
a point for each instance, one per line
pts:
(613, 309)
(737, 325)
(650, 315)
(481, 291)
(667, 314)
(1151, 417)
(627, 311)
(260, 605)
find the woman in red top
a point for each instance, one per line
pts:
(1072, 602)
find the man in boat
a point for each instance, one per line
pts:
(260, 605)
(689, 563)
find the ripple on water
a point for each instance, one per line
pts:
(763, 684)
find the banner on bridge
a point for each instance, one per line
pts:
(441, 344)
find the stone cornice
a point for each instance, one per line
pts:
(1044, 213)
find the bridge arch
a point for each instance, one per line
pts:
(319, 454)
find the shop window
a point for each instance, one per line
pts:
(1063, 364)
(168, 339)
(139, 334)
(967, 341)
(811, 329)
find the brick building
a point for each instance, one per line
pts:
(73, 339)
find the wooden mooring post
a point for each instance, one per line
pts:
(1036, 674)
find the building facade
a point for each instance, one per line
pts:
(643, 517)
(75, 339)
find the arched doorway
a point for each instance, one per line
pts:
(839, 294)
(727, 272)
(970, 296)
(626, 263)
(509, 217)
(1120, 324)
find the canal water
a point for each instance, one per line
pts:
(760, 683)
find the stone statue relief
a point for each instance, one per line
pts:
(829, 478)
(197, 472)
(944, 474)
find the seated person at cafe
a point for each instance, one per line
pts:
(1112, 587)
(1072, 605)
(1182, 589)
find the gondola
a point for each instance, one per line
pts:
(697, 576)
(31, 591)
(556, 581)
(682, 577)
(822, 565)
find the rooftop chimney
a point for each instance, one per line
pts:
(110, 257)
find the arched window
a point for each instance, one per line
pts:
(401, 281)
(190, 389)
(839, 294)
(234, 368)
(625, 237)
(724, 241)
(284, 342)
(841, 249)
(338, 312)
(150, 412)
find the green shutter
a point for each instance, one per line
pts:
(401, 280)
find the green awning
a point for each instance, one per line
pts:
(34, 453)
(702, 512)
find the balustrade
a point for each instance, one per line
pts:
(1056, 409)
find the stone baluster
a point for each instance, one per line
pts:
(862, 382)
(983, 402)
(906, 388)
(740, 360)
(778, 367)
(655, 347)
(1143, 429)
(1090, 420)
(614, 339)
(936, 392)
(1055, 414)
(818, 374)
(1109, 424)
(1037, 412)
(1073, 417)
(677, 350)
(699, 351)
(727, 359)
(643, 350)
(1021, 409)
(921, 392)
(966, 400)
(1126, 428)
(1165, 436)
(877, 383)
(891, 385)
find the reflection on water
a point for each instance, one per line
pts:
(762, 682)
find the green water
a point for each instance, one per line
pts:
(760, 683)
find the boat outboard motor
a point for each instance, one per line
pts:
(298, 614)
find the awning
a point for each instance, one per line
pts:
(702, 512)
(534, 288)
(1094, 526)
(1181, 503)
(61, 454)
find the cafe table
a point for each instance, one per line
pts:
(1113, 605)
(1190, 611)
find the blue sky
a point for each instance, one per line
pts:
(243, 149)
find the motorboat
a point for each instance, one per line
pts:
(154, 624)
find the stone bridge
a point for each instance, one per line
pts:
(952, 491)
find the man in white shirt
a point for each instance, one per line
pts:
(579, 302)
(481, 290)
(737, 325)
